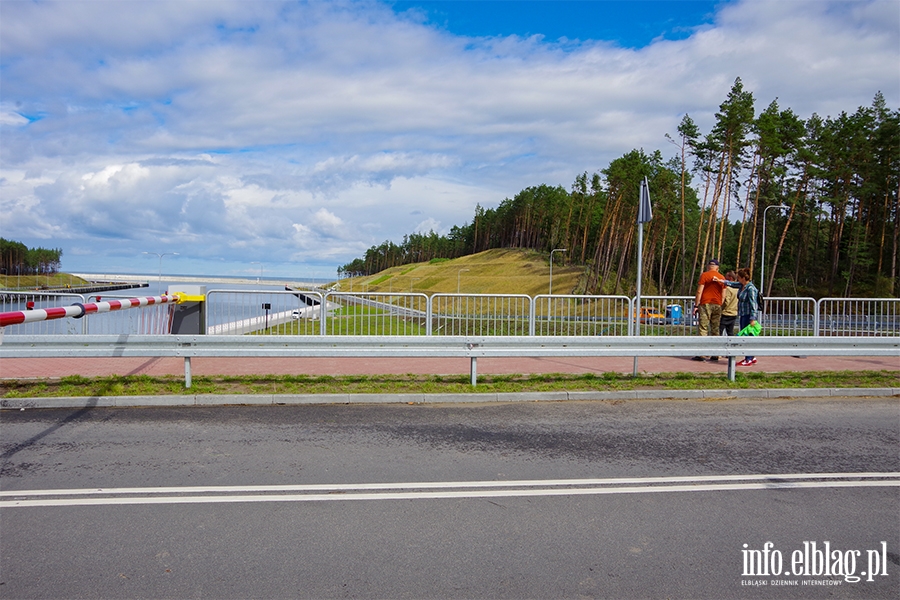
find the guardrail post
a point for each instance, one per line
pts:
(187, 372)
(473, 370)
(731, 368)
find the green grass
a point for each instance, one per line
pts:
(145, 385)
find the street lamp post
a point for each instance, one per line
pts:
(159, 274)
(551, 266)
(762, 264)
(457, 278)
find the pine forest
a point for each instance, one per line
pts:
(828, 189)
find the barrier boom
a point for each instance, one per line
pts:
(79, 310)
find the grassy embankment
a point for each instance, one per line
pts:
(501, 271)
(33, 282)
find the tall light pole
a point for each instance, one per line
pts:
(551, 266)
(762, 264)
(159, 275)
(460, 272)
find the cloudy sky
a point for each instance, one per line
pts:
(292, 136)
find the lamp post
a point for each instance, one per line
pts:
(256, 262)
(762, 264)
(457, 278)
(551, 266)
(159, 275)
(411, 281)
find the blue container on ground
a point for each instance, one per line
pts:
(673, 312)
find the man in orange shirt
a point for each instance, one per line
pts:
(708, 301)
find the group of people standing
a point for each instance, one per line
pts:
(721, 302)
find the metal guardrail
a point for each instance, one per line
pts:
(330, 313)
(471, 347)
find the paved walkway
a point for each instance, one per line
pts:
(22, 368)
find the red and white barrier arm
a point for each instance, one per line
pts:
(79, 310)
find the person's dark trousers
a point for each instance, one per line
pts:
(726, 325)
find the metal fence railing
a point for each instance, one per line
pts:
(150, 320)
(857, 316)
(789, 316)
(235, 312)
(351, 313)
(665, 315)
(480, 314)
(16, 301)
(319, 312)
(581, 315)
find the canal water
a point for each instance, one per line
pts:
(227, 302)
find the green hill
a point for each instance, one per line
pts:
(499, 271)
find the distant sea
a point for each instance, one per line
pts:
(217, 281)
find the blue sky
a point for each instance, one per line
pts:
(631, 24)
(299, 134)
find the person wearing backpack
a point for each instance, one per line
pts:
(748, 308)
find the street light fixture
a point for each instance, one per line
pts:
(551, 266)
(457, 278)
(762, 265)
(256, 262)
(159, 274)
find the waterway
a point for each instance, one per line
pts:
(230, 299)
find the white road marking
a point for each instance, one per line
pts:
(446, 489)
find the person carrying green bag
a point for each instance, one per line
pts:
(751, 329)
(748, 311)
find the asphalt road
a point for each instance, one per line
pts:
(524, 500)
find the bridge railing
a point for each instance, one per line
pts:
(319, 312)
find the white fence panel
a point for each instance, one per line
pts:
(235, 312)
(352, 313)
(480, 314)
(666, 315)
(581, 315)
(149, 320)
(21, 301)
(789, 316)
(859, 316)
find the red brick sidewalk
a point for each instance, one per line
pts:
(22, 368)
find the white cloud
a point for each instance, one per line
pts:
(261, 130)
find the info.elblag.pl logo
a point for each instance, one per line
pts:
(811, 563)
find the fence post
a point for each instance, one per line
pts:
(187, 372)
(532, 312)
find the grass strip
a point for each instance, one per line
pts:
(145, 385)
